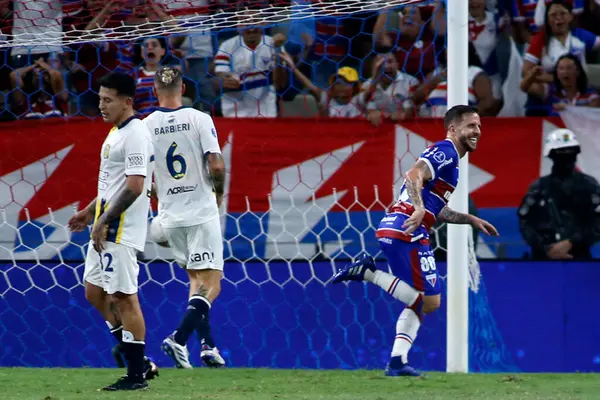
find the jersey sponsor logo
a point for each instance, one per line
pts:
(385, 240)
(172, 129)
(136, 160)
(103, 178)
(389, 218)
(204, 256)
(106, 151)
(214, 132)
(444, 163)
(181, 189)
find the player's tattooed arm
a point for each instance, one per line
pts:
(216, 168)
(132, 190)
(415, 177)
(454, 217)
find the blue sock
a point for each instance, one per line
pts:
(396, 362)
(197, 310)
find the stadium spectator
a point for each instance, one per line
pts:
(558, 39)
(390, 91)
(432, 95)
(343, 99)
(484, 31)
(560, 214)
(39, 90)
(331, 46)
(555, 40)
(196, 47)
(413, 37)
(154, 55)
(569, 87)
(528, 16)
(249, 70)
(5, 28)
(35, 20)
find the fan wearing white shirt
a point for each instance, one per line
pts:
(249, 71)
(389, 91)
(190, 179)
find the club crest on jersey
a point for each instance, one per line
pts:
(432, 279)
(106, 151)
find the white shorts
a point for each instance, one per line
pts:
(116, 271)
(199, 246)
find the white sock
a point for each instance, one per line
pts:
(406, 332)
(397, 288)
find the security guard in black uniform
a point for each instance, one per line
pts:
(560, 214)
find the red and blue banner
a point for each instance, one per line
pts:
(292, 183)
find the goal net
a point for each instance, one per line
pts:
(304, 195)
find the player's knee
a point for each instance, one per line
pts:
(431, 304)
(94, 295)
(125, 302)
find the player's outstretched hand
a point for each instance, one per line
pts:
(99, 234)
(79, 221)
(414, 221)
(484, 226)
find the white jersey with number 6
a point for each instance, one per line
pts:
(181, 138)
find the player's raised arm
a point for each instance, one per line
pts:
(415, 177)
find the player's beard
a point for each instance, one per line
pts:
(465, 140)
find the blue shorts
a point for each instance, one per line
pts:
(412, 262)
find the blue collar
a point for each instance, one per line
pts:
(124, 123)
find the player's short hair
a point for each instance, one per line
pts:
(168, 78)
(456, 113)
(122, 83)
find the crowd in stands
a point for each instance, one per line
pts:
(389, 64)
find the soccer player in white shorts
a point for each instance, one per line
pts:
(189, 178)
(120, 223)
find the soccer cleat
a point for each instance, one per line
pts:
(150, 369)
(356, 270)
(118, 355)
(125, 383)
(177, 352)
(405, 370)
(211, 357)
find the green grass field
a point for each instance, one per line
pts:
(263, 384)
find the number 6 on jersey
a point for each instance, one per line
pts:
(173, 158)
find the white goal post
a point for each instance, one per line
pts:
(457, 340)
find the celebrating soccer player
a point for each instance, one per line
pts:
(403, 233)
(120, 224)
(190, 178)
